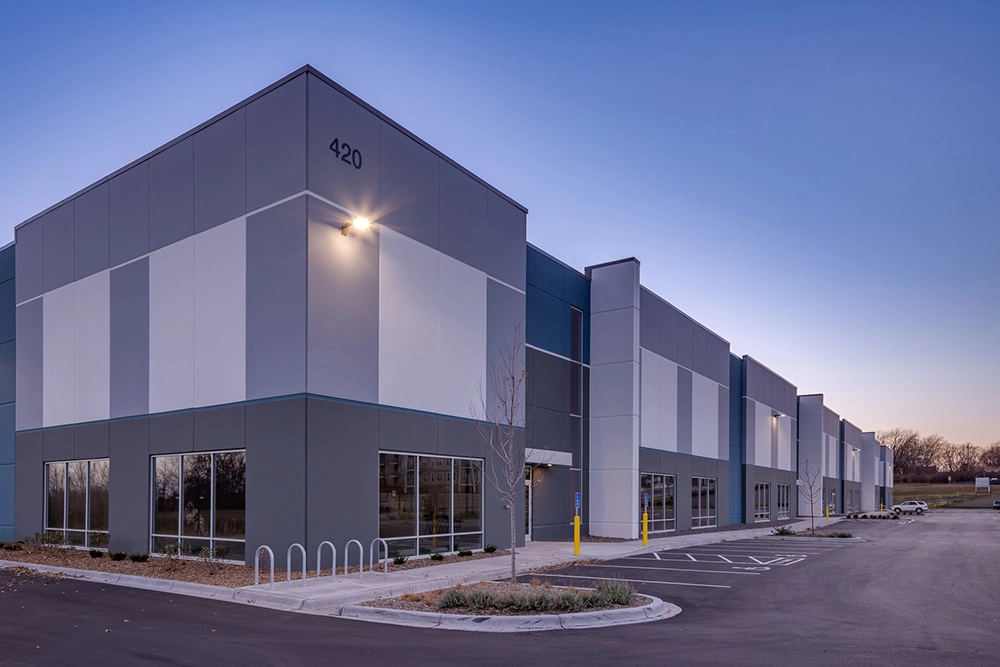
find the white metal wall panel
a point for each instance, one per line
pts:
(668, 404)
(171, 327)
(58, 353)
(650, 419)
(763, 423)
(831, 457)
(220, 313)
(409, 276)
(705, 417)
(462, 337)
(785, 443)
(92, 350)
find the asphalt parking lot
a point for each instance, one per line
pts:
(917, 592)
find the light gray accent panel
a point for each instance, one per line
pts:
(220, 428)
(276, 469)
(411, 188)
(130, 339)
(8, 372)
(276, 300)
(129, 215)
(29, 365)
(171, 195)
(504, 310)
(128, 514)
(724, 425)
(57, 244)
(29, 484)
(91, 215)
(276, 144)
(343, 308)
(58, 444)
(28, 260)
(506, 235)
(650, 316)
(403, 431)
(172, 433)
(220, 171)
(342, 476)
(684, 410)
(92, 441)
(332, 115)
(464, 213)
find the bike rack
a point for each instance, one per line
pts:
(361, 557)
(288, 562)
(256, 564)
(319, 555)
(371, 555)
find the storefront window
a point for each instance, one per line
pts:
(77, 500)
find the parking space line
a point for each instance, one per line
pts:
(634, 581)
(674, 569)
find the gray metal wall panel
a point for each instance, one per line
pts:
(29, 365)
(130, 339)
(129, 214)
(650, 316)
(548, 429)
(57, 247)
(685, 341)
(91, 215)
(276, 300)
(172, 433)
(699, 351)
(403, 431)
(8, 316)
(276, 469)
(464, 212)
(28, 260)
(220, 171)
(550, 382)
(8, 372)
(58, 444)
(332, 115)
(171, 194)
(460, 437)
(551, 504)
(276, 144)
(128, 513)
(724, 424)
(220, 428)
(684, 410)
(343, 308)
(411, 187)
(506, 235)
(29, 484)
(8, 264)
(7, 434)
(342, 476)
(7, 501)
(92, 441)
(669, 318)
(504, 311)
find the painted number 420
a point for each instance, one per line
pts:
(347, 155)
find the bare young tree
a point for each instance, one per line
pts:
(905, 445)
(990, 456)
(500, 417)
(811, 489)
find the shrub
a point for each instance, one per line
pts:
(454, 597)
(117, 555)
(616, 591)
(399, 560)
(841, 535)
(479, 599)
(570, 601)
(465, 552)
(138, 558)
(11, 546)
(96, 553)
(541, 601)
(514, 602)
(436, 556)
(783, 530)
(98, 540)
(490, 548)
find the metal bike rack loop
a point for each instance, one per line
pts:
(361, 558)
(256, 564)
(288, 562)
(371, 555)
(319, 555)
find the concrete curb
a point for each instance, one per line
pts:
(656, 610)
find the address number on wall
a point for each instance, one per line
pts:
(347, 155)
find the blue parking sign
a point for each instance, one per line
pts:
(577, 499)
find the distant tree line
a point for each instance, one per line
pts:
(937, 457)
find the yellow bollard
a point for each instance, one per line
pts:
(881, 507)
(576, 535)
(645, 529)
(827, 512)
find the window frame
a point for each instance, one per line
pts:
(762, 502)
(666, 524)
(65, 529)
(784, 501)
(711, 490)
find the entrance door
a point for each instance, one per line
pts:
(527, 504)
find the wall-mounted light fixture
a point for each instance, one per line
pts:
(357, 223)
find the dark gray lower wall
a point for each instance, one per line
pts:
(847, 488)
(684, 467)
(832, 485)
(774, 477)
(312, 468)
(552, 503)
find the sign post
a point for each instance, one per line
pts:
(576, 525)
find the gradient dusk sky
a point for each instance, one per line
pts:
(817, 182)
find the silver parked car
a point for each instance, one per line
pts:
(910, 507)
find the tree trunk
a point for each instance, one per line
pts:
(513, 544)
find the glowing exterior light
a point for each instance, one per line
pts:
(357, 223)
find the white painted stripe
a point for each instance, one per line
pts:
(634, 581)
(674, 569)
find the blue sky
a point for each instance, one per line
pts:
(816, 182)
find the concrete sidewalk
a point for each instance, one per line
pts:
(329, 595)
